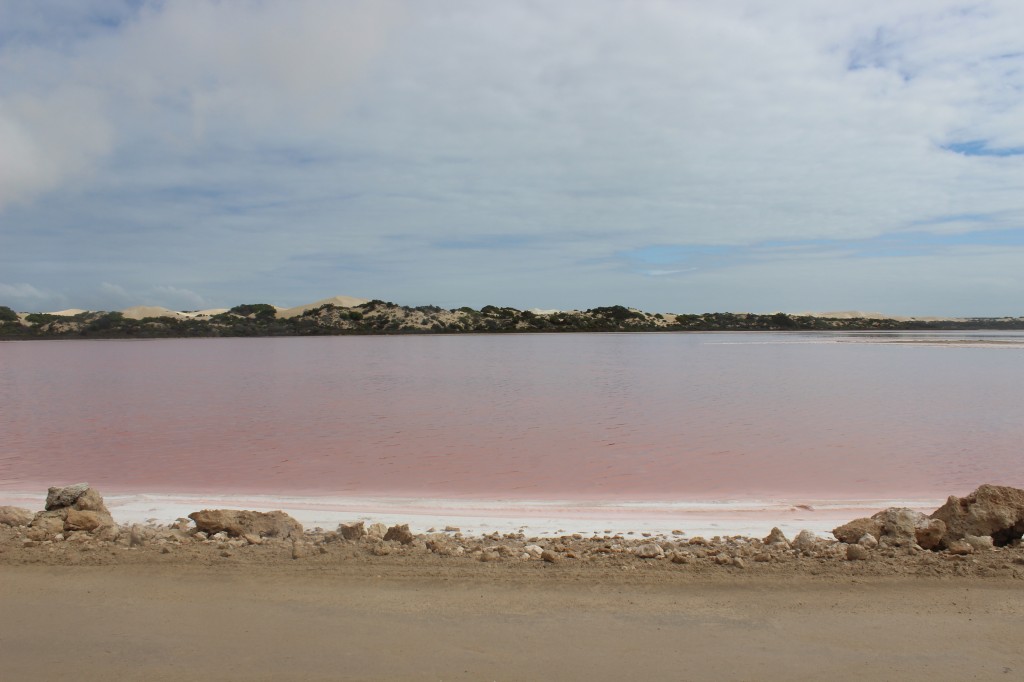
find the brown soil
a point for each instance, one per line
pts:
(506, 557)
(181, 608)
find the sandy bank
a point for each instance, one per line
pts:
(392, 623)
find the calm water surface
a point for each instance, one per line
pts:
(576, 416)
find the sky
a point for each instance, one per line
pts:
(683, 156)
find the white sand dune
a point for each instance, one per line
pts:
(853, 314)
(70, 312)
(140, 311)
(340, 301)
(202, 314)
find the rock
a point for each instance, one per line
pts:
(90, 500)
(253, 539)
(805, 541)
(739, 563)
(723, 560)
(87, 520)
(78, 496)
(301, 550)
(275, 524)
(896, 527)
(107, 533)
(990, 510)
(680, 558)
(219, 537)
(776, 537)
(48, 523)
(929, 532)
(377, 530)
(381, 549)
(399, 533)
(868, 541)
(534, 550)
(441, 547)
(649, 550)
(856, 553)
(549, 556)
(15, 516)
(136, 537)
(854, 530)
(980, 543)
(352, 531)
(58, 497)
(76, 508)
(38, 534)
(960, 548)
(452, 529)
(490, 556)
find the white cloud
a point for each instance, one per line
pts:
(21, 291)
(178, 297)
(23, 296)
(47, 140)
(216, 144)
(115, 290)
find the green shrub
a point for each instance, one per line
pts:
(260, 311)
(616, 312)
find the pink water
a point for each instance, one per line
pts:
(670, 417)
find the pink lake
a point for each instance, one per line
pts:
(590, 417)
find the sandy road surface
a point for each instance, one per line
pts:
(271, 623)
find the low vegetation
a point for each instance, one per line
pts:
(382, 317)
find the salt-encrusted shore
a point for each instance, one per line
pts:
(77, 527)
(753, 518)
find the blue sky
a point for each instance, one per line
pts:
(671, 156)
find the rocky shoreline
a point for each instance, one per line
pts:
(977, 535)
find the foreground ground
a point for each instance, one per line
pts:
(386, 621)
(325, 608)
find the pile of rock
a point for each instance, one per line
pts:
(240, 523)
(73, 508)
(78, 512)
(991, 516)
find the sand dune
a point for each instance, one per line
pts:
(70, 312)
(140, 311)
(340, 301)
(854, 314)
(204, 313)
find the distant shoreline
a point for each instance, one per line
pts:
(385, 318)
